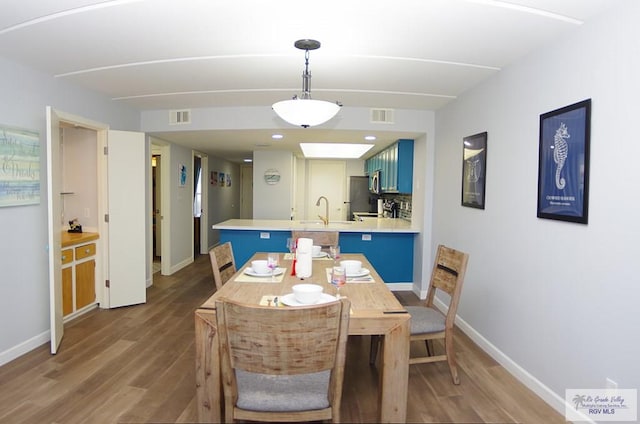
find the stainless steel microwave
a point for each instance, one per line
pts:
(376, 183)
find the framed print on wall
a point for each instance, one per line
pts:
(182, 175)
(563, 164)
(474, 166)
(20, 168)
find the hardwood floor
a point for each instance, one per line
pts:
(136, 365)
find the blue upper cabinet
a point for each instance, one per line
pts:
(404, 166)
(396, 167)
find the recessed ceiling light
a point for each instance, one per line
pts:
(334, 150)
(248, 160)
(277, 136)
(369, 137)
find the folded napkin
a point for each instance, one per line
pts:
(245, 278)
(363, 279)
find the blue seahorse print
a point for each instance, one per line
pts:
(560, 153)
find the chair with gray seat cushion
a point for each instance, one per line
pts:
(282, 364)
(427, 322)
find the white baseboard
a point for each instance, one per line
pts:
(400, 286)
(531, 382)
(24, 347)
(181, 265)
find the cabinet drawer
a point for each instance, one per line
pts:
(85, 251)
(67, 256)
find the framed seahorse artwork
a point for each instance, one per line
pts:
(474, 165)
(563, 164)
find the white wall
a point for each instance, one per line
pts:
(224, 202)
(559, 299)
(272, 201)
(24, 281)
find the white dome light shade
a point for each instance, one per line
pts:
(306, 112)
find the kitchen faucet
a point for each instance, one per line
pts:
(325, 219)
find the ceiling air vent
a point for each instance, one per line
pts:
(179, 117)
(382, 116)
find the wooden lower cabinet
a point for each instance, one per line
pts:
(78, 277)
(85, 283)
(67, 290)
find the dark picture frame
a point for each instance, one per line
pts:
(474, 170)
(563, 164)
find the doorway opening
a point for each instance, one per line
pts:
(156, 193)
(197, 204)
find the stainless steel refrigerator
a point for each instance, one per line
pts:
(360, 199)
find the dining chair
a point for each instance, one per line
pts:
(427, 322)
(222, 263)
(320, 238)
(282, 364)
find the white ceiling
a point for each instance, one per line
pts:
(168, 54)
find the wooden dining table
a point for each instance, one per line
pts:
(374, 311)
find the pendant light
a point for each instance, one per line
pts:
(304, 111)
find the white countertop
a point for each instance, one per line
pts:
(372, 225)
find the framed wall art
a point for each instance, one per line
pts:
(563, 164)
(20, 167)
(182, 175)
(474, 166)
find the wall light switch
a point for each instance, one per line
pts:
(265, 235)
(366, 237)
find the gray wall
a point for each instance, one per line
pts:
(24, 280)
(558, 300)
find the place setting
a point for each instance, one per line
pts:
(306, 294)
(263, 271)
(353, 270)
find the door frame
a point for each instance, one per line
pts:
(204, 217)
(162, 148)
(54, 204)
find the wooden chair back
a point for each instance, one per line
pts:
(223, 264)
(448, 274)
(282, 342)
(320, 238)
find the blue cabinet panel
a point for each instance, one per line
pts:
(246, 243)
(391, 254)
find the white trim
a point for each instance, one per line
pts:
(24, 347)
(400, 286)
(181, 265)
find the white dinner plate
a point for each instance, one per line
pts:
(320, 255)
(249, 271)
(290, 300)
(361, 273)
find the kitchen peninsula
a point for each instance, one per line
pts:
(387, 243)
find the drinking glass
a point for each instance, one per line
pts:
(338, 278)
(334, 252)
(272, 263)
(291, 245)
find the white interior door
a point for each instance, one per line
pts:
(328, 179)
(54, 185)
(127, 238)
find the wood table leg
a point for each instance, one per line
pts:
(208, 383)
(394, 375)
